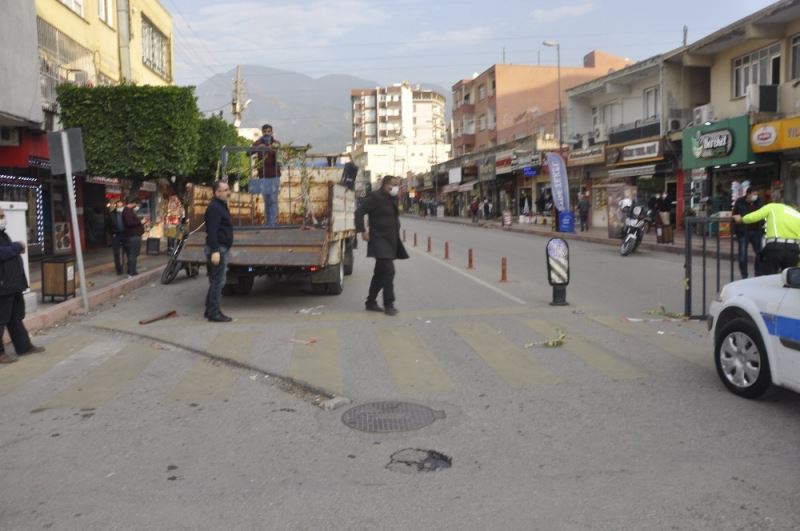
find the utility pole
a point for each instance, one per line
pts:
(685, 35)
(237, 108)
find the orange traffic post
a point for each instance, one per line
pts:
(504, 270)
(415, 239)
(429, 244)
(447, 250)
(469, 260)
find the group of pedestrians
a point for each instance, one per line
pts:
(126, 230)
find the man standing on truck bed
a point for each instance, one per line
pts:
(269, 175)
(219, 239)
(384, 244)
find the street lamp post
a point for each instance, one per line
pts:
(557, 46)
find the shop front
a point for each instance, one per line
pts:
(487, 181)
(720, 157)
(781, 138)
(587, 168)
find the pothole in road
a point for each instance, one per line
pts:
(388, 417)
(414, 460)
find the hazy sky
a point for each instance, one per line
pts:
(432, 41)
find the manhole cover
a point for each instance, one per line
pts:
(412, 460)
(387, 417)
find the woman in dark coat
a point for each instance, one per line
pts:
(384, 244)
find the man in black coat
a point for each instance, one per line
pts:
(12, 304)
(219, 240)
(115, 226)
(383, 237)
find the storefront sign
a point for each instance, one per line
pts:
(503, 162)
(699, 174)
(779, 135)
(454, 175)
(720, 143)
(149, 186)
(486, 170)
(108, 181)
(590, 155)
(632, 153)
(527, 160)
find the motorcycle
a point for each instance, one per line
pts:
(636, 222)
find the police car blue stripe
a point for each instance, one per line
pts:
(782, 326)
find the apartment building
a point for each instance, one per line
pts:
(508, 102)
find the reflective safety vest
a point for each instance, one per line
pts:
(782, 221)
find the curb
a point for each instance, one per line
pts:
(60, 312)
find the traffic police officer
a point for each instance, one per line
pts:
(782, 247)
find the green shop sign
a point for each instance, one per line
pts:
(716, 144)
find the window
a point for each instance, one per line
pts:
(762, 67)
(482, 122)
(612, 114)
(105, 11)
(155, 50)
(652, 102)
(595, 118)
(481, 92)
(75, 5)
(796, 57)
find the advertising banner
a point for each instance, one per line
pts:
(559, 183)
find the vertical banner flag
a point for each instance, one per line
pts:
(559, 185)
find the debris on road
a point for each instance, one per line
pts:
(554, 342)
(315, 310)
(303, 341)
(167, 315)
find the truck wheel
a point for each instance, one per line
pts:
(348, 260)
(245, 285)
(335, 288)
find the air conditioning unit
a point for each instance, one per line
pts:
(675, 123)
(601, 133)
(9, 136)
(761, 98)
(703, 114)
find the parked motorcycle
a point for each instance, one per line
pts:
(636, 221)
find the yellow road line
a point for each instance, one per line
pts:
(413, 367)
(685, 350)
(319, 363)
(29, 367)
(105, 381)
(513, 364)
(591, 355)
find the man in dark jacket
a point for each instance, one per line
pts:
(748, 234)
(383, 235)
(134, 228)
(116, 228)
(219, 240)
(12, 304)
(269, 174)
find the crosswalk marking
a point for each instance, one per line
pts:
(105, 381)
(679, 348)
(29, 367)
(591, 355)
(413, 366)
(512, 364)
(316, 359)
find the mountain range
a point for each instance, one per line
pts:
(301, 109)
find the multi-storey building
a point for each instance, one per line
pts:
(49, 42)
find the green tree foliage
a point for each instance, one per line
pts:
(134, 132)
(214, 134)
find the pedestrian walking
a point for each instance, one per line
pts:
(487, 208)
(749, 234)
(474, 210)
(384, 243)
(134, 228)
(219, 240)
(116, 228)
(12, 304)
(269, 175)
(584, 206)
(782, 249)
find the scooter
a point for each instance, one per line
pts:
(634, 228)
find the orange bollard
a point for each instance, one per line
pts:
(404, 235)
(429, 244)
(447, 250)
(415, 239)
(504, 270)
(469, 260)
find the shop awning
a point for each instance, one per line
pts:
(467, 187)
(448, 188)
(636, 171)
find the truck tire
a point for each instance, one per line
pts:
(337, 287)
(244, 286)
(349, 259)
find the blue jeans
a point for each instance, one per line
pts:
(216, 280)
(753, 238)
(270, 188)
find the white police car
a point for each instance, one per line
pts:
(755, 324)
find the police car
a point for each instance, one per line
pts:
(755, 325)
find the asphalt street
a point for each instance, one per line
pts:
(622, 425)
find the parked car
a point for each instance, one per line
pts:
(755, 325)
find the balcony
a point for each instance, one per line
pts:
(464, 140)
(464, 110)
(634, 131)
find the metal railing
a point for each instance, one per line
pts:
(703, 229)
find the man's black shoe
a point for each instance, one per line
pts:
(373, 307)
(219, 318)
(391, 311)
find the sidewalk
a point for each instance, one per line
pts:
(595, 235)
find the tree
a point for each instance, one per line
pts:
(134, 132)
(214, 134)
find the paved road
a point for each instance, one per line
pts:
(625, 426)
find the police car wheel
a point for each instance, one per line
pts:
(741, 359)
